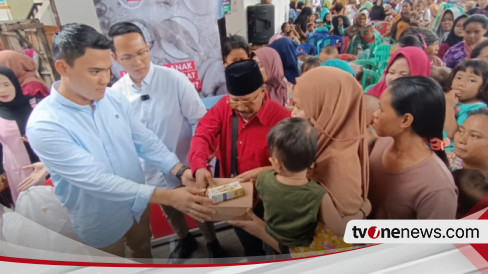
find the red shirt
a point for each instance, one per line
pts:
(214, 132)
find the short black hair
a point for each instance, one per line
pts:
(122, 28)
(338, 7)
(477, 51)
(293, 141)
(73, 39)
(472, 186)
(232, 42)
(477, 18)
(480, 68)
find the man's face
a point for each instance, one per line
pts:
(247, 106)
(88, 77)
(132, 53)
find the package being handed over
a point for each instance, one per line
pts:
(225, 192)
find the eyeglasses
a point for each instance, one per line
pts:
(130, 58)
(447, 19)
(234, 103)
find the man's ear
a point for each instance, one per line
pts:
(114, 56)
(61, 66)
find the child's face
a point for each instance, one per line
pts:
(310, 28)
(471, 140)
(466, 85)
(328, 17)
(236, 55)
(369, 34)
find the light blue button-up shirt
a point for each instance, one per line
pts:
(93, 158)
(172, 112)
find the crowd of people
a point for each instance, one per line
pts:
(355, 110)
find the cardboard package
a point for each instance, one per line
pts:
(234, 209)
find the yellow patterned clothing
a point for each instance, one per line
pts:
(324, 242)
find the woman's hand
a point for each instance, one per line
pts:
(37, 176)
(252, 174)
(257, 227)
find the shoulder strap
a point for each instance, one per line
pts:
(234, 146)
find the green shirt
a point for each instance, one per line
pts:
(290, 212)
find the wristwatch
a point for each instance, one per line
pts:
(180, 171)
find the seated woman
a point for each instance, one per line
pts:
(471, 145)
(20, 164)
(430, 42)
(455, 36)
(408, 180)
(25, 70)
(341, 162)
(475, 28)
(273, 75)
(408, 61)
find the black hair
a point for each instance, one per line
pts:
(477, 18)
(480, 111)
(303, 17)
(293, 141)
(410, 41)
(309, 63)
(472, 186)
(283, 26)
(73, 39)
(292, 5)
(425, 34)
(338, 7)
(408, 2)
(122, 28)
(480, 68)
(424, 99)
(232, 42)
(300, 5)
(477, 50)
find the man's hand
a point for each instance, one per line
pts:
(189, 201)
(204, 178)
(37, 176)
(187, 179)
(252, 174)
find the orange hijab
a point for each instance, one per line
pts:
(23, 66)
(333, 101)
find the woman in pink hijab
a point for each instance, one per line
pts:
(408, 61)
(25, 70)
(273, 75)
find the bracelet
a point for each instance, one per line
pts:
(180, 171)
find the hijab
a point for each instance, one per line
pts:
(340, 64)
(333, 101)
(356, 27)
(418, 63)
(445, 7)
(452, 38)
(286, 48)
(19, 109)
(276, 86)
(302, 18)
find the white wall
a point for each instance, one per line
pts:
(19, 9)
(236, 20)
(77, 11)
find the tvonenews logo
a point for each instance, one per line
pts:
(417, 231)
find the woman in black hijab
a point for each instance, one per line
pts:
(21, 167)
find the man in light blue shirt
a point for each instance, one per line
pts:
(90, 142)
(167, 103)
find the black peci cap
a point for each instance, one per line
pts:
(243, 77)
